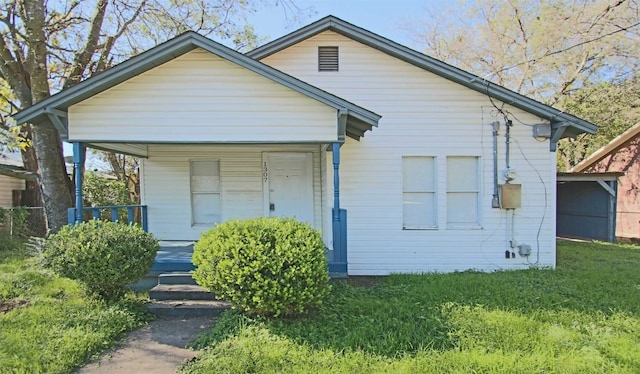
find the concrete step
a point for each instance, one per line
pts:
(176, 277)
(180, 292)
(187, 308)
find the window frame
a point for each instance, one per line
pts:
(218, 193)
(477, 224)
(433, 192)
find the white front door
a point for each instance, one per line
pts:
(288, 185)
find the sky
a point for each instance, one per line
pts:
(383, 17)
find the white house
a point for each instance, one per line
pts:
(413, 152)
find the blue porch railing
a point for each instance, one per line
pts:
(113, 214)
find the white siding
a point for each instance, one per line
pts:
(426, 115)
(7, 185)
(200, 98)
(166, 192)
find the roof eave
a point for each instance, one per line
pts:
(167, 51)
(428, 63)
(107, 79)
(606, 149)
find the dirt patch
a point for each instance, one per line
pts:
(9, 305)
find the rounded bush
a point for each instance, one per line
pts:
(104, 256)
(267, 266)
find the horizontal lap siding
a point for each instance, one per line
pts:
(7, 185)
(199, 97)
(166, 192)
(424, 114)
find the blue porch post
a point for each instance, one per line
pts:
(339, 219)
(78, 164)
(336, 181)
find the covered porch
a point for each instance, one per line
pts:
(247, 182)
(211, 126)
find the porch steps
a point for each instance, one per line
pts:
(178, 295)
(180, 292)
(187, 308)
(176, 277)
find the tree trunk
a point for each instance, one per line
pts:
(33, 196)
(46, 140)
(55, 191)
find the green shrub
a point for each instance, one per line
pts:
(267, 266)
(104, 256)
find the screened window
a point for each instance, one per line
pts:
(205, 192)
(463, 191)
(419, 192)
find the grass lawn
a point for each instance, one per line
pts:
(583, 317)
(48, 325)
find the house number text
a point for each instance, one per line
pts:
(265, 171)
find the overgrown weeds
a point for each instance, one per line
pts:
(49, 325)
(582, 317)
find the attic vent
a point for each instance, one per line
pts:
(327, 58)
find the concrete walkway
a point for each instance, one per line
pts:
(158, 347)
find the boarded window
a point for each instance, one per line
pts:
(205, 192)
(419, 192)
(463, 191)
(328, 59)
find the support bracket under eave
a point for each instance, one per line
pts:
(59, 120)
(606, 187)
(557, 131)
(343, 114)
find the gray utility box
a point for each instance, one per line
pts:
(510, 196)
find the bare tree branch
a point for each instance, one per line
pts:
(83, 57)
(106, 49)
(17, 173)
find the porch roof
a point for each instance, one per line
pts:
(352, 120)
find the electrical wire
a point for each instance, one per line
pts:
(544, 212)
(525, 124)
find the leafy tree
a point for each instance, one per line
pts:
(123, 168)
(615, 106)
(559, 52)
(542, 49)
(103, 191)
(46, 46)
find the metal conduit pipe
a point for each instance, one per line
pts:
(507, 141)
(495, 201)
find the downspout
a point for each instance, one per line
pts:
(495, 201)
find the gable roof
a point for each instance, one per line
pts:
(563, 124)
(609, 148)
(54, 108)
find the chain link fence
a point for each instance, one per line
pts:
(22, 222)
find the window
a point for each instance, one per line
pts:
(327, 58)
(205, 192)
(463, 191)
(419, 192)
